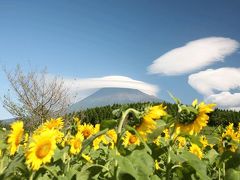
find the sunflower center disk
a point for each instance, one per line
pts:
(132, 139)
(18, 138)
(86, 133)
(77, 144)
(43, 150)
(186, 117)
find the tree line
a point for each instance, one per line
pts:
(96, 115)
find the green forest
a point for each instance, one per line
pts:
(95, 115)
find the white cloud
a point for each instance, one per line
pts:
(215, 80)
(216, 86)
(84, 87)
(194, 56)
(225, 100)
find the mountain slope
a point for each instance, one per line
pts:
(109, 96)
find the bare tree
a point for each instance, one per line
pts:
(38, 95)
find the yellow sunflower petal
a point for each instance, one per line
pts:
(15, 136)
(41, 149)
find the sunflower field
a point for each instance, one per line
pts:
(143, 145)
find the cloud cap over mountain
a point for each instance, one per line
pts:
(83, 87)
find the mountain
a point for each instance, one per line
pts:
(109, 96)
(7, 121)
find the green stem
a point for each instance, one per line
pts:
(124, 118)
(168, 163)
(224, 173)
(175, 166)
(31, 176)
(55, 175)
(219, 173)
(91, 139)
(1, 166)
(169, 157)
(68, 165)
(223, 166)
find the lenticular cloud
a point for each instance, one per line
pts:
(212, 81)
(216, 86)
(193, 56)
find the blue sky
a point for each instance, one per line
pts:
(94, 39)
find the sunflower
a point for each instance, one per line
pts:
(204, 141)
(156, 112)
(230, 139)
(157, 167)
(147, 126)
(166, 134)
(195, 149)
(54, 124)
(157, 141)
(181, 142)
(96, 128)
(130, 139)
(76, 143)
(41, 149)
(65, 139)
(109, 138)
(97, 141)
(238, 132)
(112, 136)
(15, 136)
(58, 134)
(193, 123)
(230, 133)
(50, 124)
(87, 158)
(26, 138)
(87, 130)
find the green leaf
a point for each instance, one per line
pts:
(125, 169)
(192, 109)
(212, 155)
(176, 158)
(155, 177)
(16, 164)
(143, 163)
(174, 98)
(232, 174)
(139, 165)
(71, 173)
(110, 124)
(3, 145)
(197, 164)
(161, 125)
(232, 160)
(83, 175)
(59, 153)
(44, 177)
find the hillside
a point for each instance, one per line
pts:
(109, 96)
